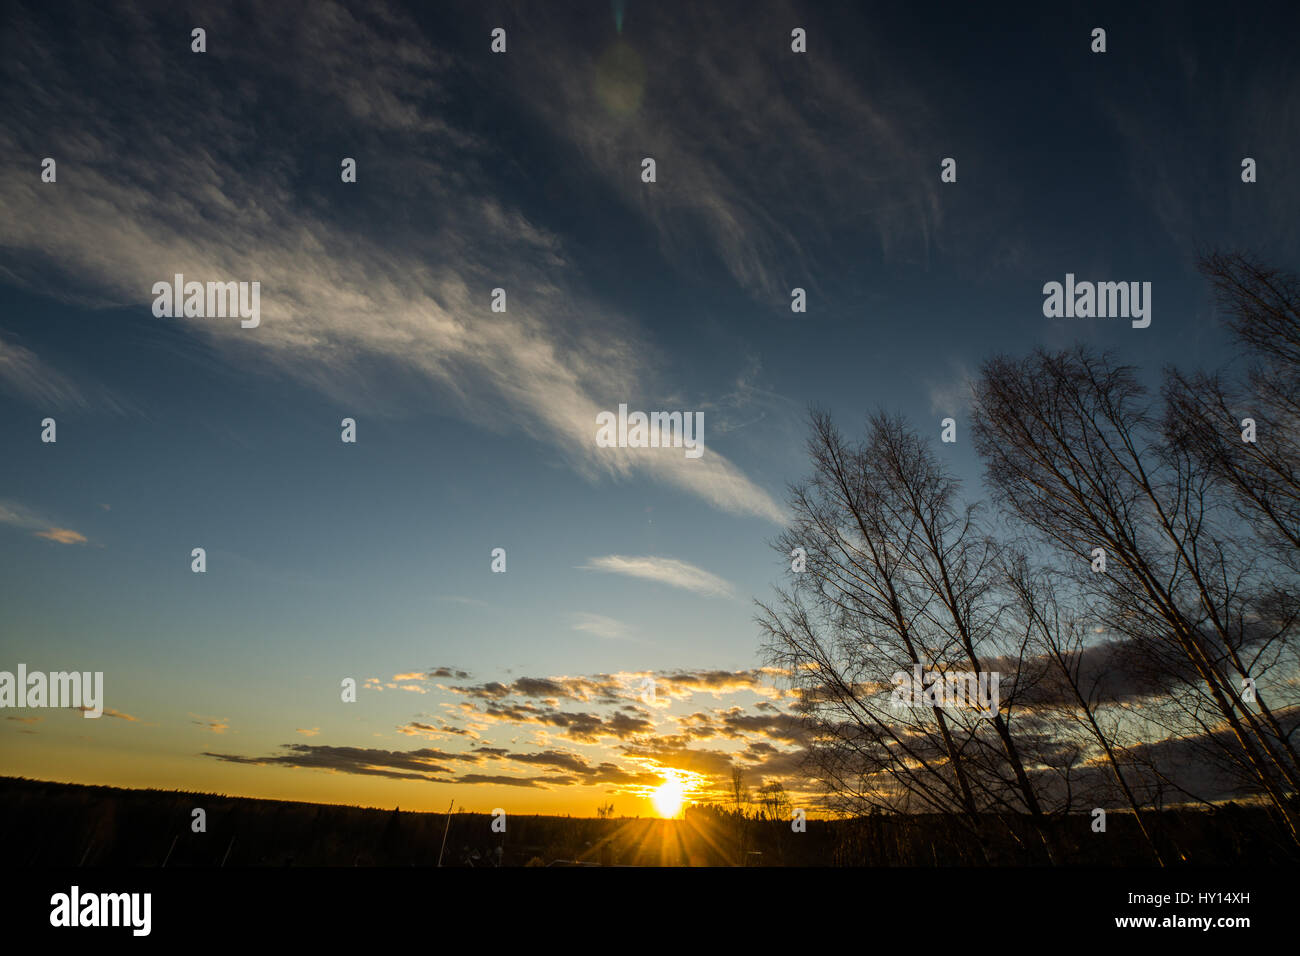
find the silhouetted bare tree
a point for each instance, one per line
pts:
(1166, 653)
(898, 576)
(1075, 451)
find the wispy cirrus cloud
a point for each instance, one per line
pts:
(601, 626)
(27, 376)
(345, 301)
(670, 571)
(216, 725)
(110, 712)
(24, 374)
(724, 188)
(952, 395)
(62, 536)
(1220, 105)
(18, 516)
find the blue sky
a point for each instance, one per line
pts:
(475, 428)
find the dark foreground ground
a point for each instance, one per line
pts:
(54, 824)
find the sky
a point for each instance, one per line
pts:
(476, 429)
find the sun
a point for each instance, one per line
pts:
(668, 796)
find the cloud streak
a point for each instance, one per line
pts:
(670, 571)
(601, 626)
(730, 186)
(24, 374)
(17, 516)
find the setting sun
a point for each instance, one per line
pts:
(668, 797)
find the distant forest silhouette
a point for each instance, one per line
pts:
(45, 824)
